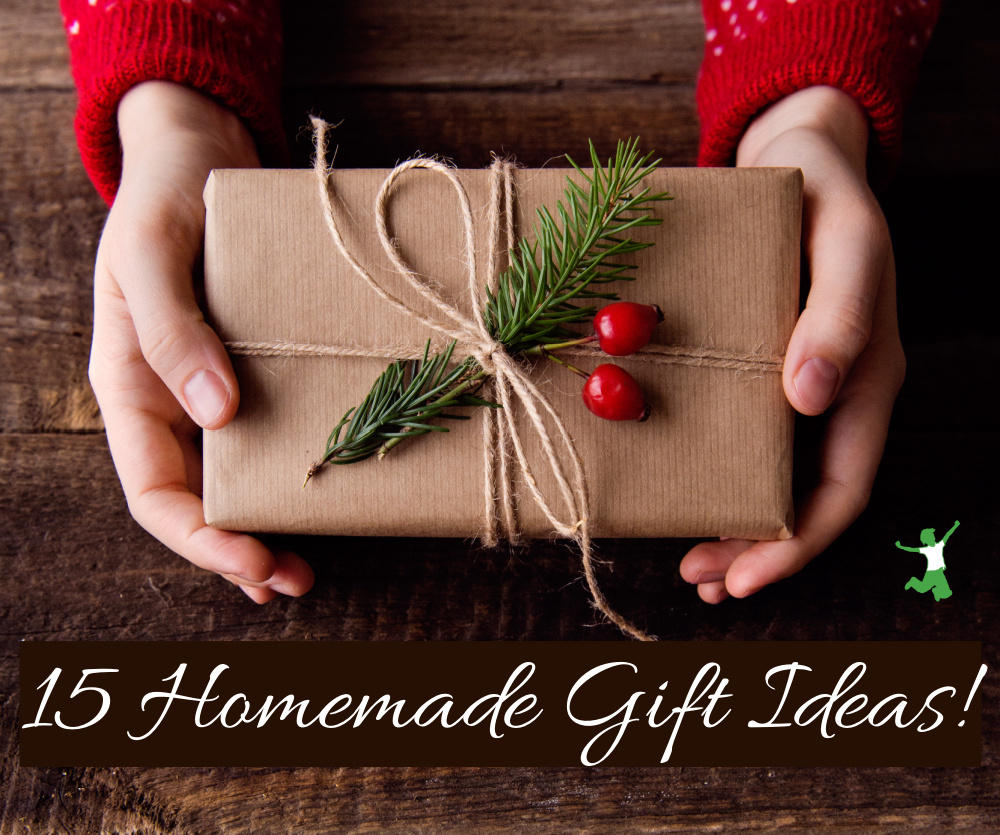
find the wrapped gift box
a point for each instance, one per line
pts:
(715, 458)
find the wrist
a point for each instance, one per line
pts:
(827, 111)
(154, 111)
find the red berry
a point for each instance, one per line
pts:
(613, 394)
(623, 328)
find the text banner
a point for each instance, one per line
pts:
(500, 704)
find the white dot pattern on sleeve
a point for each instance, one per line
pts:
(243, 14)
(736, 19)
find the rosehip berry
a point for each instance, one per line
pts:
(623, 328)
(613, 394)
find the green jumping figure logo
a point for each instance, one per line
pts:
(934, 579)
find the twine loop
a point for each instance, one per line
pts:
(502, 442)
(503, 447)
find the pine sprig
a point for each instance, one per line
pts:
(534, 298)
(570, 260)
(405, 397)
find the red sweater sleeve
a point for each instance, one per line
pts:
(758, 51)
(228, 50)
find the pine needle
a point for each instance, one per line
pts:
(551, 283)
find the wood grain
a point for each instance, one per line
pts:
(33, 51)
(537, 79)
(50, 222)
(126, 587)
(394, 43)
(464, 44)
(536, 126)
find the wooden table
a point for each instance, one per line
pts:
(538, 81)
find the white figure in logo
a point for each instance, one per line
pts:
(934, 579)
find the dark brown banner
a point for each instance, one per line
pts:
(501, 704)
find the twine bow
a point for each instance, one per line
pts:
(510, 379)
(503, 446)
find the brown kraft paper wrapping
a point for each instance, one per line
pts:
(715, 458)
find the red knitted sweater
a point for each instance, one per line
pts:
(756, 52)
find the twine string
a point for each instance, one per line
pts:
(656, 354)
(696, 357)
(510, 379)
(498, 492)
(503, 445)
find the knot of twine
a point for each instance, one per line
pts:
(502, 442)
(503, 446)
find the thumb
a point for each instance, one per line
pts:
(155, 276)
(847, 246)
(187, 355)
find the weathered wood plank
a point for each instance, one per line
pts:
(77, 567)
(568, 800)
(394, 43)
(33, 50)
(50, 222)
(536, 127)
(462, 43)
(496, 801)
(512, 800)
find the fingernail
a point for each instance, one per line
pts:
(206, 397)
(709, 577)
(816, 383)
(754, 590)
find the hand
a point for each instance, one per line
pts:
(844, 358)
(158, 370)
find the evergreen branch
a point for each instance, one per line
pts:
(405, 397)
(542, 291)
(534, 298)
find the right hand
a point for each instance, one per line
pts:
(158, 370)
(844, 357)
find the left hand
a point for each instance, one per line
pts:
(844, 359)
(158, 370)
